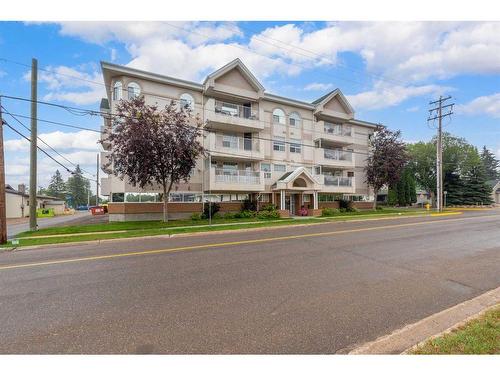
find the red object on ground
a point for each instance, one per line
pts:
(98, 210)
(303, 212)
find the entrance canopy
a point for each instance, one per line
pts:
(299, 180)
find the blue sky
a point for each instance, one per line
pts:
(388, 71)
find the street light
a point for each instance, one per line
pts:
(445, 192)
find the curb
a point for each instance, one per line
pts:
(327, 220)
(411, 336)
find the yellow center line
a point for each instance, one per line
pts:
(224, 244)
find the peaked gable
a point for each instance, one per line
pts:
(334, 102)
(234, 76)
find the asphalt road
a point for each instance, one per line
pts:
(316, 289)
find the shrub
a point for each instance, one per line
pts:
(245, 214)
(213, 207)
(269, 207)
(329, 211)
(346, 205)
(217, 215)
(379, 208)
(229, 215)
(249, 205)
(196, 216)
(268, 214)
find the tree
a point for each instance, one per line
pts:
(78, 187)
(154, 147)
(476, 189)
(491, 164)
(386, 161)
(57, 187)
(423, 165)
(403, 192)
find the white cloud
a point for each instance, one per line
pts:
(403, 54)
(71, 85)
(316, 86)
(415, 108)
(483, 105)
(386, 95)
(80, 140)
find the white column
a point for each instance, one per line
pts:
(282, 196)
(315, 198)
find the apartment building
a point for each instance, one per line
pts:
(261, 146)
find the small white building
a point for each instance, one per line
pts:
(17, 202)
(495, 191)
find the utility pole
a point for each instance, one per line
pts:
(3, 203)
(437, 113)
(97, 183)
(33, 143)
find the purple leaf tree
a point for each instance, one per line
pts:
(154, 147)
(386, 161)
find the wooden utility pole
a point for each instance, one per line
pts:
(3, 203)
(33, 148)
(437, 114)
(97, 183)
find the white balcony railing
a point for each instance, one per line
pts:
(338, 181)
(237, 176)
(337, 155)
(235, 143)
(235, 110)
(338, 130)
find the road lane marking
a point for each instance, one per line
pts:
(224, 244)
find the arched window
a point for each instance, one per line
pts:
(134, 90)
(279, 116)
(294, 119)
(117, 90)
(187, 102)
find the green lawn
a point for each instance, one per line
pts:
(480, 336)
(77, 233)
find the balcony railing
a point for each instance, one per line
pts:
(235, 110)
(337, 155)
(235, 143)
(344, 131)
(237, 176)
(338, 181)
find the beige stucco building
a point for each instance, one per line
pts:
(17, 203)
(261, 146)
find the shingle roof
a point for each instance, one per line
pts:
(323, 97)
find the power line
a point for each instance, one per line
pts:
(45, 152)
(41, 140)
(57, 123)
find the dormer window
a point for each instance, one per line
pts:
(134, 90)
(279, 116)
(117, 90)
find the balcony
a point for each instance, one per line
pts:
(232, 116)
(334, 158)
(335, 133)
(230, 146)
(221, 179)
(336, 184)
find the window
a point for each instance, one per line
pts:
(306, 198)
(187, 102)
(279, 167)
(279, 144)
(295, 147)
(317, 169)
(229, 141)
(264, 198)
(294, 119)
(117, 197)
(279, 116)
(350, 174)
(117, 90)
(134, 90)
(266, 168)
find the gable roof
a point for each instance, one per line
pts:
(236, 64)
(320, 102)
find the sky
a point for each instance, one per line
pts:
(389, 71)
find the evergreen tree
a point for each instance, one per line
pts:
(78, 187)
(454, 186)
(57, 187)
(476, 189)
(491, 165)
